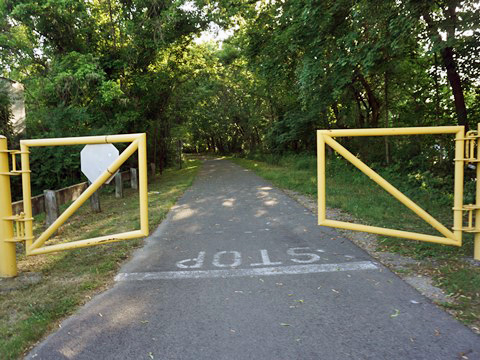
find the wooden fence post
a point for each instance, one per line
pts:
(118, 185)
(95, 201)
(51, 206)
(133, 178)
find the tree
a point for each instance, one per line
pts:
(452, 18)
(97, 67)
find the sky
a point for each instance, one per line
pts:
(214, 33)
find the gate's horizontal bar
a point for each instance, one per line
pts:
(389, 232)
(103, 139)
(88, 242)
(392, 131)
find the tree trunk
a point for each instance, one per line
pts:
(448, 59)
(456, 84)
(112, 24)
(360, 118)
(257, 135)
(155, 143)
(337, 116)
(437, 90)
(372, 101)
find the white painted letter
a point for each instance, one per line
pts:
(265, 260)
(197, 262)
(237, 259)
(311, 257)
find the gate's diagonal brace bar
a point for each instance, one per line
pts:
(394, 192)
(84, 196)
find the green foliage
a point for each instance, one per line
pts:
(96, 68)
(218, 105)
(332, 64)
(290, 68)
(54, 167)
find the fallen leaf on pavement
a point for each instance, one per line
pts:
(395, 314)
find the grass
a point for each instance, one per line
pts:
(350, 190)
(70, 278)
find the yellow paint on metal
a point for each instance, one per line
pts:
(143, 183)
(27, 193)
(138, 142)
(389, 187)
(88, 242)
(451, 238)
(458, 184)
(476, 241)
(389, 232)
(24, 221)
(321, 193)
(8, 261)
(26, 181)
(84, 197)
(82, 140)
(392, 131)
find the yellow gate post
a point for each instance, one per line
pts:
(476, 243)
(8, 261)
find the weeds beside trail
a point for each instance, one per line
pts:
(350, 190)
(69, 279)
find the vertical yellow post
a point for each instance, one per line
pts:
(321, 188)
(27, 194)
(476, 244)
(458, 186)
(8, 261)
(142, 166)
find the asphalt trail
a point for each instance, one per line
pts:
(241, 271)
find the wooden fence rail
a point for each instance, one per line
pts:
(63, 196)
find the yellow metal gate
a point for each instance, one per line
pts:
(24, 222)
(467, 150)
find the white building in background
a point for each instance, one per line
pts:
(18, 104)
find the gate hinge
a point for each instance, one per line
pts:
(14, 170)
(471, 154)
(19, 227)
(470, 209)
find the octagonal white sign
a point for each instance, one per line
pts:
(96, 158)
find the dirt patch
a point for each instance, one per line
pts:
(23, 280)
(425, 286)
